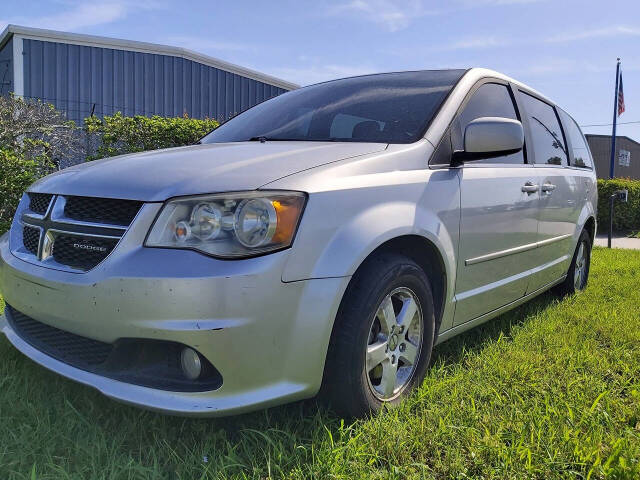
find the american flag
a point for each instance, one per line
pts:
(620, 97)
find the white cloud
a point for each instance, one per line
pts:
(611, 31)
(472, 43)
(492, 41)
(202, 44)
(310, 74)
(562, 66)
(555, 66)
(497, 3)
(82, 15)
(392, 15)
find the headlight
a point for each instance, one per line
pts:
(229, 225)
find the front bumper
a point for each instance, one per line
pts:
(267, 338)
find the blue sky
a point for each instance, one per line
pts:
(565, 49)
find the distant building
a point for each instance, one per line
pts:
(81, 74)
(627, 158)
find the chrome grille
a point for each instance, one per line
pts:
(31, 239)
(66, 250)
(102, 210)
(39, 202)
(70, 232)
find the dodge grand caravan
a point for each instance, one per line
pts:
(322, 241)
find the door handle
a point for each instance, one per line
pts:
(530, 188)
(548, 187)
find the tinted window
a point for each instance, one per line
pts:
(386, 108)
(581, 155)
(490, 100)
(548, 143)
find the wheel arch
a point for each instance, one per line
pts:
(586, 221)
(590, 227)
(427, 255)
(422, 251)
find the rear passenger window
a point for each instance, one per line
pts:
(581, 156)
(548, 143)
(490, 100)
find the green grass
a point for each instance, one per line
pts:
(550, 390)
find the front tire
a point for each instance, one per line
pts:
(382, 337)
(578, 274)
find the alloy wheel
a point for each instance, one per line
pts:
(394, 342)
(580, 269)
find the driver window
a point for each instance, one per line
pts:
(490, 100)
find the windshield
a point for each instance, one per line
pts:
(383, 108)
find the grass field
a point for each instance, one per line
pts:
(550, 390)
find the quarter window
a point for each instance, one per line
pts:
(581, 155)
(490, 100)
(548, 143)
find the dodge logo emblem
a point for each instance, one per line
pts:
(93, 248)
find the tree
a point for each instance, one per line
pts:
(37, 132)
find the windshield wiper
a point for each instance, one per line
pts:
(263, 139)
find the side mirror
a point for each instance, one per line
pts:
(488, 137)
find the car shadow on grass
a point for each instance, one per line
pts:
(474, 340)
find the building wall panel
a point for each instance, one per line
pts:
(62, 81)
(6, 68)
(78, 78)
(600, 146)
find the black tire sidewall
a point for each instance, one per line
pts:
(357, 311)
(568, 286)
(587, 257)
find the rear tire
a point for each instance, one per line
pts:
(578, 274)
(382, 338)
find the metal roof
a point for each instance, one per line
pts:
(131, 45)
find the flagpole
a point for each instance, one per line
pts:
(612, 165)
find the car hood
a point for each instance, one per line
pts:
(220, 167)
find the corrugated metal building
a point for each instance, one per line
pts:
(600, 146)
(83, 73)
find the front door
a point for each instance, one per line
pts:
(500, 200)
(498, 230)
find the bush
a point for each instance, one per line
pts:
(36, 131)
(34, 139)
(118, 134)
(626, 215)
(16, 174)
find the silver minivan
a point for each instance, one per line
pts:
(322, 241)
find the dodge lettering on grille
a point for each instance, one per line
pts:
(84, 246)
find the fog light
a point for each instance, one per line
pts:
(191, 364)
